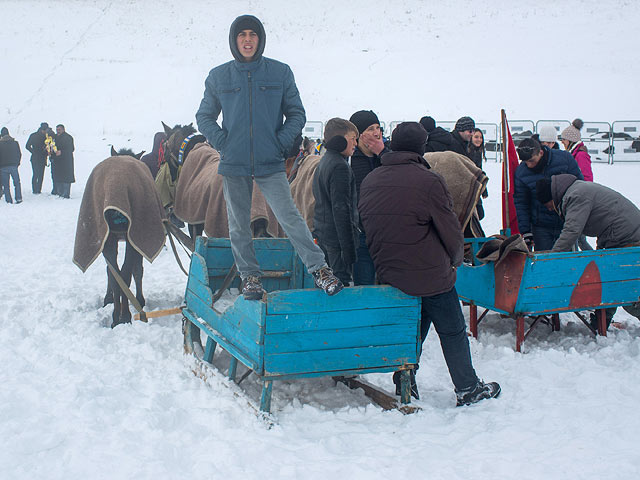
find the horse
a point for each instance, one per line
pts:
(120, 203)
(192, 168)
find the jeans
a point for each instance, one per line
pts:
(37, 167)
(364, 272)
(445, 312)
(238, 192)
(5, 174)
(545, 237)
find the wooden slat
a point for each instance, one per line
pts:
(246, 360)
(340, 359)
(199, 290)
(244, 335)
(340, 338)
(300, 322)
(351, 298)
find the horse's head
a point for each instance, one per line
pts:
(125, 151)
(175, 137)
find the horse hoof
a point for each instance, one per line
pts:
(108, 298)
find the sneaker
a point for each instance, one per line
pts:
(327, 281)
(479, 392)
(414, 385)
(252, 288)
(18, 201)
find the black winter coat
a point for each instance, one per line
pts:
(335, 219)
(459, 145)
(35, 144)
(530, 212)
(63, 171)
(413, 234)
(10, 153)
(361, 166)
(439, 140)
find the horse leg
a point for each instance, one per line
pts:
(110, 252)
(127, 271)
(135, 262)
(195, 230)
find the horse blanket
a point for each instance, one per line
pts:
(465, 182)
(124, 184)
(200, 198)
(302, 188)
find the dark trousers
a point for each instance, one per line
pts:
(37, 167)
(7, 174)
(333, 255)
(445, 312)
(545, 237)
(64, 189)
(364, 273)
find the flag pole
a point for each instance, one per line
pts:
(505, 171)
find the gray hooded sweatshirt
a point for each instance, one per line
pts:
(595, 210)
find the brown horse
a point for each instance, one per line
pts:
(192, 165)
(120, 203)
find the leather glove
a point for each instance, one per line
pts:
(528, 239)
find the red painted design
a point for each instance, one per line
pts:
(507, 276)
(588, 290)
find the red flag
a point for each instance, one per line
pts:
(510, 163)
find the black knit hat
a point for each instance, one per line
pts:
(543, 190)
(428, 123)
(44, 126)
(363, 119)
(465, 123)
(4, 131)
(409, 137)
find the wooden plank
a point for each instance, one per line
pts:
(248, 361)
(160, 313)
(199, 290)
(340, 338)
(341, 359)
(383, 399)
(234, 335)
(300, 322)
(351, 298)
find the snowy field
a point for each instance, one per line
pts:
(79, 400)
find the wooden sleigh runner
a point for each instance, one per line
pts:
(543, 285)
(296, 330)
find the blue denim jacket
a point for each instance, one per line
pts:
(254, 98)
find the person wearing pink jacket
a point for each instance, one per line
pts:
(572, 141)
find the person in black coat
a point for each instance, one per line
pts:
(462, 134)
(539, 227)
(416, 243)
(364, 160)
(35, 144)
(10, 156)
(335, 218)
(64, 175)
(438, 139)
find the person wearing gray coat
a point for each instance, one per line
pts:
(596, 211)
(592, 209)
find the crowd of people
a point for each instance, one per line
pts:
(47, 148)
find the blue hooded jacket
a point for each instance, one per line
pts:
(254, 99)
(529, 210)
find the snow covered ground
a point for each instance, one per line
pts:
(79, 400)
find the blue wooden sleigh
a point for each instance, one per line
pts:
(296, 330)
(543, 285)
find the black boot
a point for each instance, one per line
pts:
(476, 393)
(414, 386)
